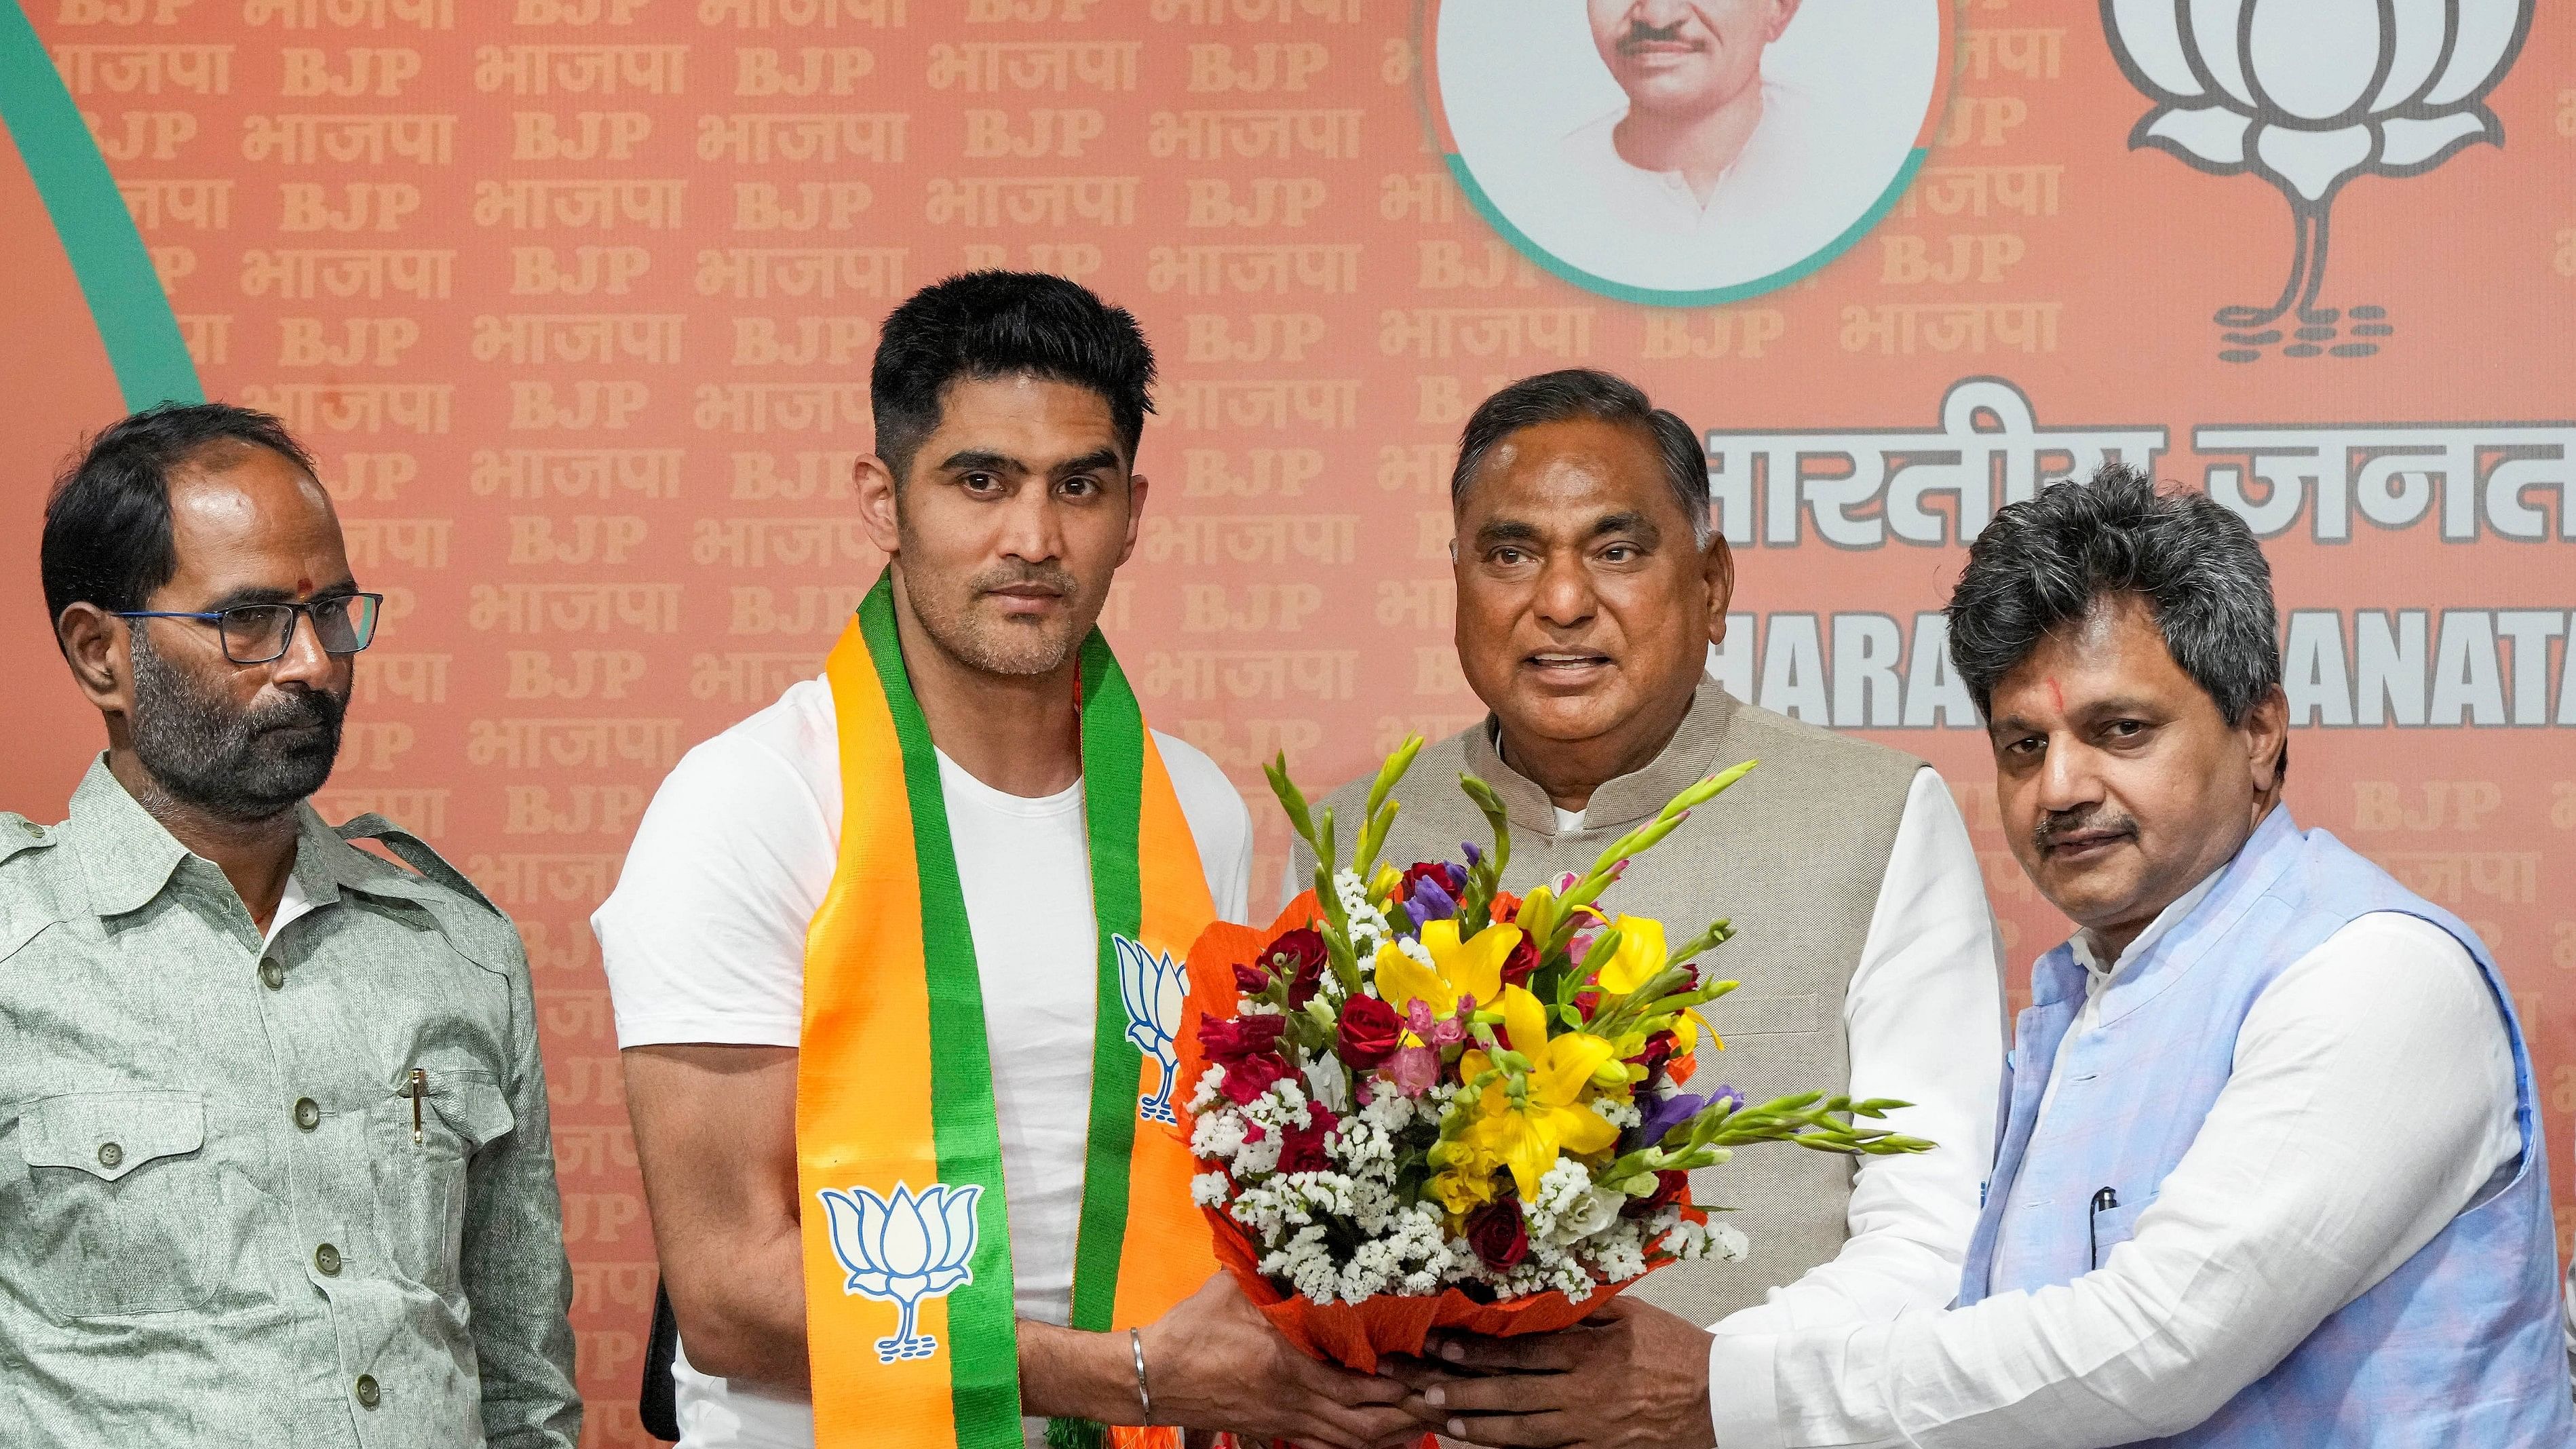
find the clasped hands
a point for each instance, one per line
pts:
(1631, 1376)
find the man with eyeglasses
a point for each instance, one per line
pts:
(274, 1155)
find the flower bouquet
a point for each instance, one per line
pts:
(1419, 1101)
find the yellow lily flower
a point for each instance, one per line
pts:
(1640, 955)
(1552, 1116)
(1460, 969)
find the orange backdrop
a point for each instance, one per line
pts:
(575, 299)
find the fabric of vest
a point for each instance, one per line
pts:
(2461, 1345)
(1793, 855)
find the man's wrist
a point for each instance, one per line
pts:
(1067, 1373)
(1743, 1390)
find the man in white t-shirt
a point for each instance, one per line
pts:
(1008, 412)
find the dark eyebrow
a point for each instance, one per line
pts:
(264, 595)
(1635, 525)
(976, 460)
(1505, 531)
(1098, 460)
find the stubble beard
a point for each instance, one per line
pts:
(237, 765)
(950, 616)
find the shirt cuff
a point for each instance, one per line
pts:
(1743, 1397)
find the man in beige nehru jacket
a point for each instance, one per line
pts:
(1590, 587)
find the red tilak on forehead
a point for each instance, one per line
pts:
(2056, 696)
(303, 586)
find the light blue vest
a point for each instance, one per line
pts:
(2461, 1345)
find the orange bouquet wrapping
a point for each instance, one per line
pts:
(1419, 1101)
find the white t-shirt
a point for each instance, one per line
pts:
(704, 941)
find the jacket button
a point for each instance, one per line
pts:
(271, 975)
(327, 1258)
(109, 1154)
(368, 1394)
(308, 1113)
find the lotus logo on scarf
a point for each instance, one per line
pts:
(904, 1250)
(1152, 986)
(2308, 94)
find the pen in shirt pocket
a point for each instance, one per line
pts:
(419, 1085)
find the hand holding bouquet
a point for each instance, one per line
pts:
(1421, 1101)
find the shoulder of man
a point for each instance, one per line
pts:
(29, 898)
(465, 916)
(1438, 766)
(1793, 751)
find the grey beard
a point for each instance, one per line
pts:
(232, 765)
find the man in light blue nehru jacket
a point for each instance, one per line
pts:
(2271, 1174)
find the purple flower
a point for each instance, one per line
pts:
(1667, 1113)
(1670, 1112)
(1475, 857)
(1430, 902)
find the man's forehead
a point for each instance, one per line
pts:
(1033, 420)
(1580, 469)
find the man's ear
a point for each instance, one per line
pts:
(1137, 488)
(1782, 12)
(878, 509)
(2267, 741)
(1717, 567)
(98, 647)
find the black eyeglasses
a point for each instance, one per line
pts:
(258, 633)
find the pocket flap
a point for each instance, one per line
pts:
(109, 1134)
(470, 1105)
(1736, 1015)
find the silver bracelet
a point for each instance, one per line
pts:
(1144, 1396)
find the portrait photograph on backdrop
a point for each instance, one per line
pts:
(1686, 151)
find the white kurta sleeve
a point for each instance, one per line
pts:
(2316, 1173)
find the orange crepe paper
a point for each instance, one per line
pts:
(1354, 1335)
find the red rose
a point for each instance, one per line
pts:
(1659, 1050)
(1522, 961)
(1451, 878)
(1244, 1036)
(1498, 1235)
(1248, 1049)
(1250, 980)
(1298, 956)
(1370, 1033)
(1301, 1149)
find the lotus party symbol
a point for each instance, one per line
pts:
(903, 1250)
(2308, 94)
(1152, 986)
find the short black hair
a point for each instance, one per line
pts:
(1004, 324)
(2046, 563)
(107, 523)
(1583, 392)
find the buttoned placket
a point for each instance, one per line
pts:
(312, 1140)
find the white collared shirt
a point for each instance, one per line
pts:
(2296, 1196)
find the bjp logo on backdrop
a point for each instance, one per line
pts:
(2309, 94)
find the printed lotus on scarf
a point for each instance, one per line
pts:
(1151, 986)
(902, 1250)
(1471, 1115)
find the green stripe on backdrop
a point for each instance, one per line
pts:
(983, 1337)
(126, 302)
